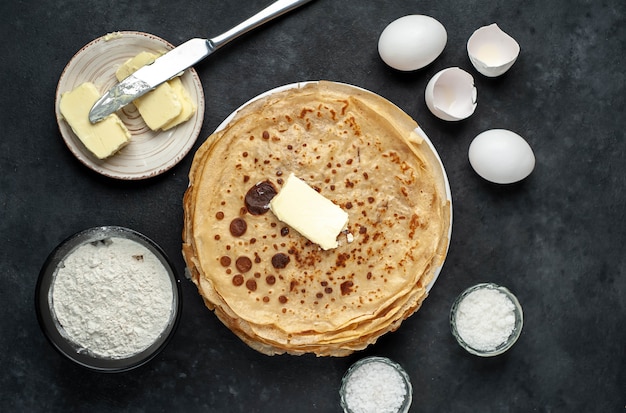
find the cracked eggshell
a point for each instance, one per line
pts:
(412, 42)
(451, 95)
(501, 156)
(492, 51)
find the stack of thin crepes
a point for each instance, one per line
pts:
(276, 290)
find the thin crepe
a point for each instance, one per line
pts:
(361, 152)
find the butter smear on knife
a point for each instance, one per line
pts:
(168, 105)
(102, 139)
(304, 209)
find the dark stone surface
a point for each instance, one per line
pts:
(557, 239)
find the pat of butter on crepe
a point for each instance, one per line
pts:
(303, 208)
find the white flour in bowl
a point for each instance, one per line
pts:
(113, 298)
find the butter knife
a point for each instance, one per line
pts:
(174, 62)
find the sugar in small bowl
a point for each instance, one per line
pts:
(486, 319)
(376, 385)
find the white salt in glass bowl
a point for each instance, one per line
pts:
(56, 334)
(350, 377)
(512, 337)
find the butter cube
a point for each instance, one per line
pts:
(159, 106)
(104, 138)
(167, 105)
(304, 209)
(133, 64)
(188, 108)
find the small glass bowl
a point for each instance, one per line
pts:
(408, 389)
(517, 327)
(54, 331)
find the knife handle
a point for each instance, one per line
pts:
(276, 9)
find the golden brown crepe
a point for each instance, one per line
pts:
(272, 287)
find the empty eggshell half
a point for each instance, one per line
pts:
(451, 94)
(492, 51)
(501, 156)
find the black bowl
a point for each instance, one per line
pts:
(54, 331)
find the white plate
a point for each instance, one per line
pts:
(418, 130)
(149, 153)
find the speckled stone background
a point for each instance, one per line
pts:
(557, 239)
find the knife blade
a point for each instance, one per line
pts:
(177, 60)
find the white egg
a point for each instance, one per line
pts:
(412, 42)
(501, 156)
